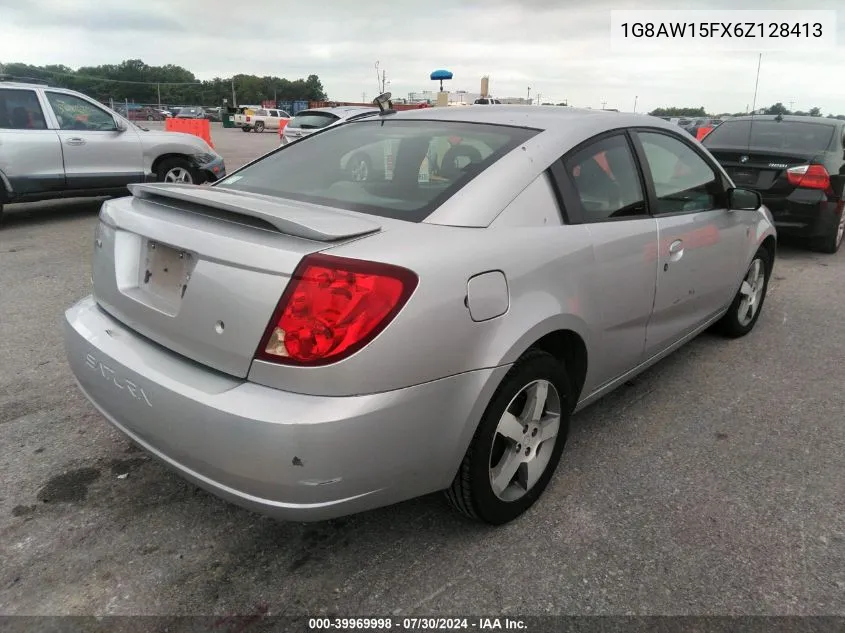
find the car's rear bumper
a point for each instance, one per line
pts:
(813, 218)
(284, 454)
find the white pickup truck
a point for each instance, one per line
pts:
(260, 119)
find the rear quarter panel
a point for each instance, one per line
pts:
(434, 336)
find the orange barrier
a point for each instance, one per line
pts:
(703, 131)
(282, 124)
(197, 127)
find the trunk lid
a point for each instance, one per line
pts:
(200, 270)
(762, 170)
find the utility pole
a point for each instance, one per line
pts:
(790, 105)
(539, 98)
(378, 80)
(635, 103)
(234, 101)
(363, 97)
(528, 98)
(603, 103)
(159, 95)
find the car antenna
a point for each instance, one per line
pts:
(384, 100)
(754, 103)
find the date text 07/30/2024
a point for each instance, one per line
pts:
(416, 623)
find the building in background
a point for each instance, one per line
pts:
(461, 97)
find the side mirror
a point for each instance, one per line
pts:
(120, 124)
(744, 200)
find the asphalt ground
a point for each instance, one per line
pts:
(714, 484)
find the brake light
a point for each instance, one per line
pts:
(247, 118)
(808, 177)
(333, 307)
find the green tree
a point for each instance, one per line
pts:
(777, 108)
(135, 81)
(679, 112)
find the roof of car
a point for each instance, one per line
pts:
(538, 117)
(342, 110)
(786, 118)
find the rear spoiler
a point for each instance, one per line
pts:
(287, 216)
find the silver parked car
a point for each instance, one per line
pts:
(307, 122)
(309, 346)
(57, 143)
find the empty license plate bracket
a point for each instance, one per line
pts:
(165, 272)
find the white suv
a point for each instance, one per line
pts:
(57, 143)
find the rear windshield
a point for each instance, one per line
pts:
(313, 120)
(395, 169)
(768, 134)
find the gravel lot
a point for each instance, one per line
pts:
(712, 485)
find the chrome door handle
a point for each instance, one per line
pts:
(676, 247)
(75, 141)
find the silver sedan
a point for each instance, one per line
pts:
(309, 343)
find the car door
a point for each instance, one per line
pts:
(603, 188)
(30, 152)
(97, 155)
(701, 243)
(272, 120)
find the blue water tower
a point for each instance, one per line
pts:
(441, 76)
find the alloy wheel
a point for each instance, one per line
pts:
(525, 437)
(179, 174)
(751, 291)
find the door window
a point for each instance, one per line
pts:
(274, 113)
(683, 181)
(74, 113)
(20, 110)
(607, 180)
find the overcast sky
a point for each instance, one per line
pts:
(556, 47)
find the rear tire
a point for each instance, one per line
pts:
(830, 243)
(509, 448)
(748, 302)
(259, 127)
(244, 128)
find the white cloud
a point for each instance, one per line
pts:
(559, 49)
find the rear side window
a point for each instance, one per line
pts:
(785, 136)
(397, 169)
(312, 120)
(20, 110)
(607, 180)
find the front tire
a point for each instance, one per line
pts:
(748, 302)
(518, 443)
(177, 170)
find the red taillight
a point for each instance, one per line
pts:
(247, 119)
(333, 307)
(808, 177)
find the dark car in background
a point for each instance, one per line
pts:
(140, 113)
(191, 112)
(797, 163)
(694, 125)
